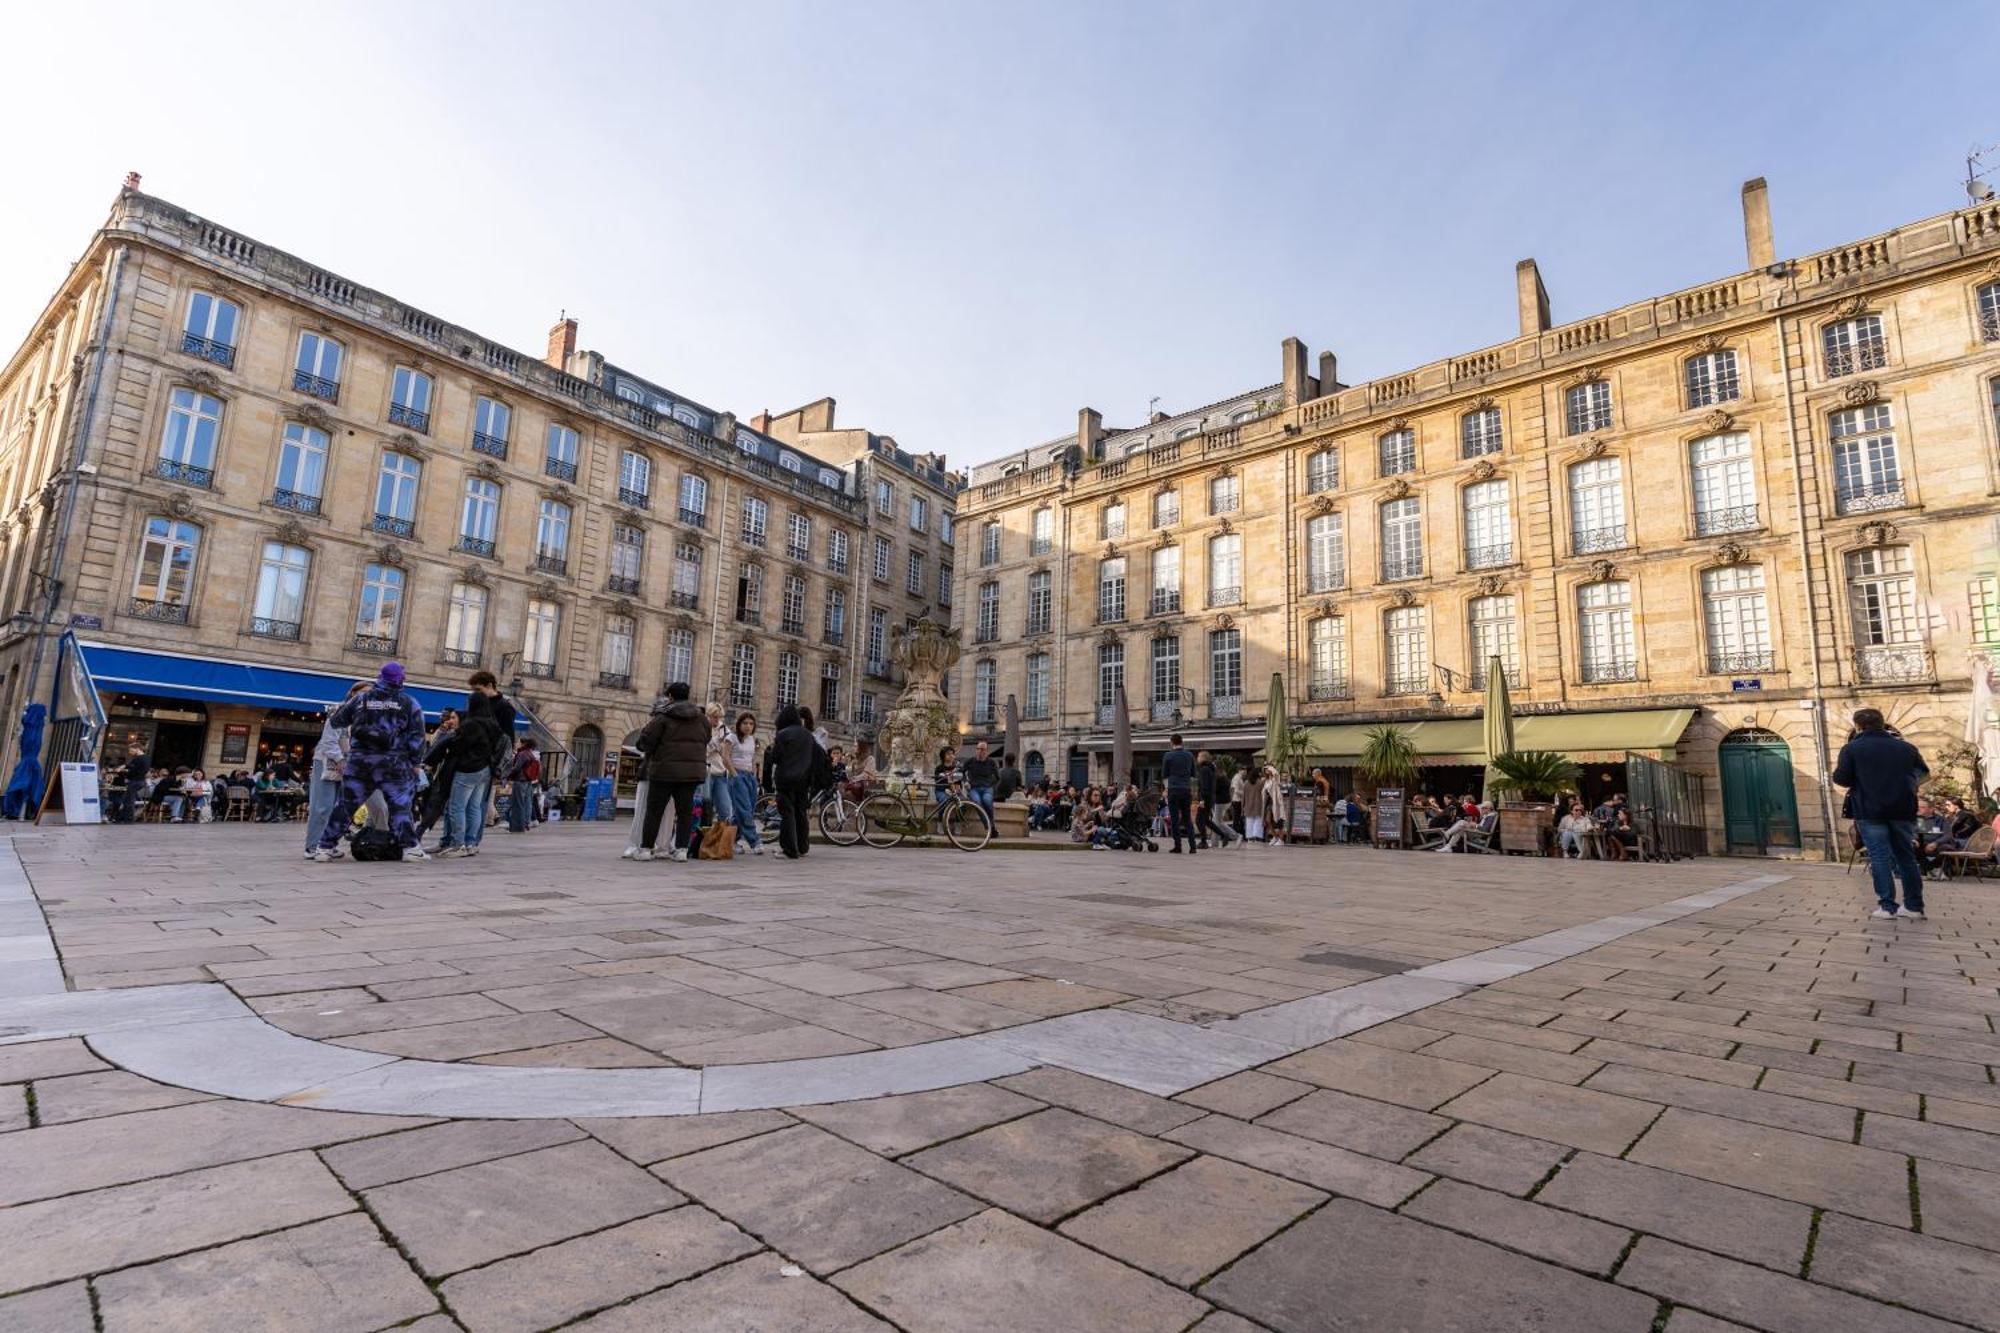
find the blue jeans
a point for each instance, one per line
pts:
(465, 809)
(322, 796)
(743, 799)
(521, 806)
(983, 798)
(1891, 845)
(716, 805)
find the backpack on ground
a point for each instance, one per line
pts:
(375, 844)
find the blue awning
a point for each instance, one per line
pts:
(219, 680)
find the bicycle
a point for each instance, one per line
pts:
(887, 818)
(838, 816)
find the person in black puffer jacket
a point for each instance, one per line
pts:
(790, 762)
(675, 744)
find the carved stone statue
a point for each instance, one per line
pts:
(919, 723)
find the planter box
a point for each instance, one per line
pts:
(1527, 826)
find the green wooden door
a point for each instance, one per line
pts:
(1760, 810)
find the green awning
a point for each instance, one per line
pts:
(1591, 737)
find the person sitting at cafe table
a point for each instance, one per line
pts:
(1576, 830)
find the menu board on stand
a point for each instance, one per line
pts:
(1389, 817)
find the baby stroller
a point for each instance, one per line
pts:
(1132, 830)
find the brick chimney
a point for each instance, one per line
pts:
(131, 180)
(1758, 243)
(1299, 386)
(1090, 434)
(1329, 373)
(1532, 297)
(562, 343)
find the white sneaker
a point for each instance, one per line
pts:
(758, 850)
(680, 854)
(1905, 914)
(415, 854)
(328, 854)
(642, 854)
(628, 853)
(1881, 915)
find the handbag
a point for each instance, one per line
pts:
(718, 842)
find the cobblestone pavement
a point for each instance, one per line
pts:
(1771, 1114)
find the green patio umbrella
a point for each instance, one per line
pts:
(1277, 727)
(1498, 719)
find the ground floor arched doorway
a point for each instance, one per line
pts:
(1033, 769)
(587, 745)
(1760, 812)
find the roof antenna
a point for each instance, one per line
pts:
(1977, 190)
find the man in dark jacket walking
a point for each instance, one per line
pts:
(385, 741)
(675, 743)
(1881, 772)
(1207, 783)
(1177, 768)
(789, 762)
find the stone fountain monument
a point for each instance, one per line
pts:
(920, 722)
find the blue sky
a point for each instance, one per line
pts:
(966, 221)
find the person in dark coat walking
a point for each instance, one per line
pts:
(1881, 772)
(1208, 785)
(790, 764)
(675, 743)
(1177, 769)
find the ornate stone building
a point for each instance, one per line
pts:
(242, 481)
(1700, 528)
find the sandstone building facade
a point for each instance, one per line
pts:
(1700, 528)
(238, 481)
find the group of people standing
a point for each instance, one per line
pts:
(687, 748)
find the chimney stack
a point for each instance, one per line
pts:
(1090, 434)
(131, 180)
(1533, 298)
(1329, 373)
(1757, 240)
(1299, 386)
(562, 343)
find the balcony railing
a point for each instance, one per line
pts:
(694, 518)
(1329, 688)
(789, 625)
(1476, 678)
(1868, 355)
(316, 386)
(878, 668)
(749, 615)
(682, 600)
(742, 698)
(986, 634)
(1326, 580)
(1729, 664)
(1166, 602)
(1038, 624)
(1397, 569)
(381, 645)
(614, 680)
(1163, 710)
(1608, 673)
(274, 629)
(166, 613)
(833, 636)
(464, 657)
(297, 501)
(752, 537)
(399, 415)
(1611, 538)
(1893, 663)
(1406, 684)
(1225, 707)
(1039, 545)
(395, 527)
(1489, 557)
(1110, 615)
(793, 551)
(1225, 596)
(1736, 518)
(548, 563)
(208, 349)
(1106, 714)
(622, 583)
(1868, 497)
(836, 564)
(637, 499)
(493, 446)
(539, 670)
(560, 469)
(187, 474)
(481, 546)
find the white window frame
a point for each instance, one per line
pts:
(379, 612)
(552, 525)
(1480, 432)
(302, 458)
(1710, 378)
(541, 628)
(1401, 525)
(479, 514)
(1396, 452)
(1607, 644)
(172, 546)
(1326, 552)
(1587, 407)
(1225, 494)
(192, 435)
(1406, 649)
(1322, 470)
(465, 619)
(1326, 658)
(397, 483)
(283, 571)
(1225, 569)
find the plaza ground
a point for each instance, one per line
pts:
(1748, 1106)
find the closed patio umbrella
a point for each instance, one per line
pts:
(1121, 738)
(1498, 719)
(1012, 746)
(1277, 728)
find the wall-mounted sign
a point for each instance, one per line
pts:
(235, 742)
(1743, 686)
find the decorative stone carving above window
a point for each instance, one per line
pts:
(1399, 423)
(291, 532)
(1399, 489)
(1732, 553)
(179, 506)
(1322, 506)
(1405, 597)
(1861, 393)
(312, 414)
(621, 607)
(559, 493)
(1110, 636)
(405, 443)
(1491, 585)
(1878, 533)
(473, 574)
(1602, 570)
(1594, 447)
(1225, 527)
(548, 590)
(1482, 402)
(1849, 308)
(388, 553)
(1222, 622)
(1484, 470)
(1711, 342)
(1582, 375)
(1325, 609)
(205, 380)
(1718, 420)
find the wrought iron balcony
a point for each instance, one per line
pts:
(471, 545)
(986, 634)
(1039, 545)
(1736, 518)
(793, 551)
(614, 680)
(381, 645)
(1111, 615)
(187, 474)
(547, 562)
(1989, 325)
(1326, 580)
(208, 349)
(1038, 624)
(1406, 684)
(833, 636)
(395, 527)
(878, 668)
(622, 583)
(1893, 663)
(749, 615)
(274, 629)
(637, 499)
(493, 446)
(560, 469)
(297, 501)
(791, 625)
(1868, 497)
(1870, 354)
(1166, 602)
(742, 698)
(1729, 664)
(1489, 557)
(836, 564)
(694, 518)
(1163, 710)
(1225, 707)
(166, 613)
(399, 415)
(465, 657)
(1397, 569)
(1609, 673)
(1225, 596)
(1609, 538)
(682, 600)
(1107, 714)
(752, 537)
(1476, 678)
(316, 386)
(539, 670)
(1325, 689)
(983, 717)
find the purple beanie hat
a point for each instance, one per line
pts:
(392, 674)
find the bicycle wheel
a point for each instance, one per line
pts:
(840, 821)
(966, 825)
(883, 818)
(765, 812)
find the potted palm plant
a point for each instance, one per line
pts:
(1388, 764)
(1532, 777)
